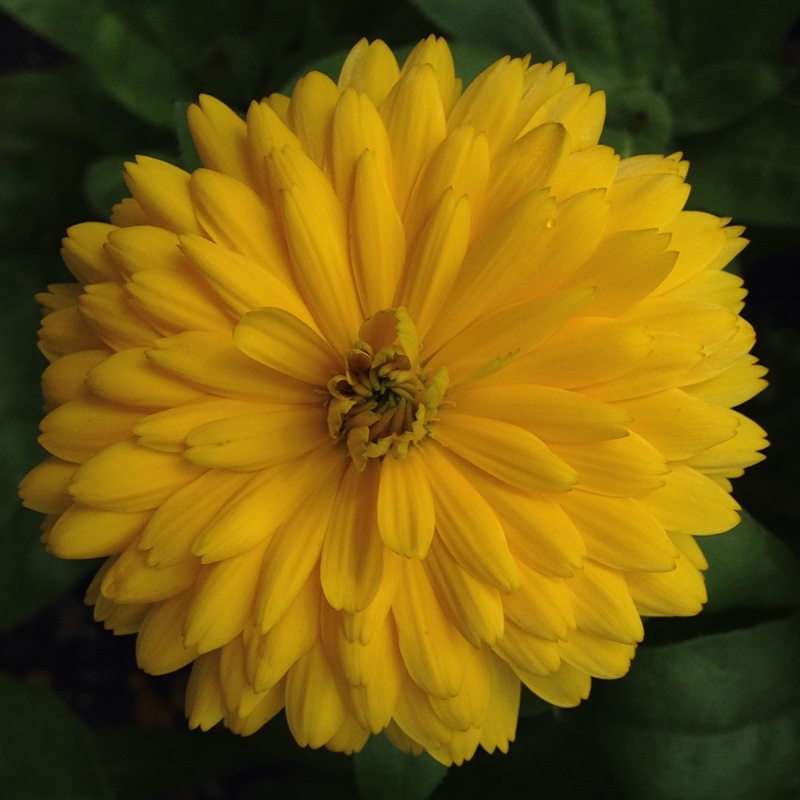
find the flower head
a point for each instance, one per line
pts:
(408, 396)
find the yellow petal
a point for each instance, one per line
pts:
(162, 190)
(357, 127)
(272, 654)
(129, 377)
(351, 568)
(491, 102)
(84, 254)
(223, 600)
(624, 268)
(645, 201)
(175, 301)
(377, 239)
(65, 378)
(554, 415)
(622, 467)
(177, 522)
(130, 579)
(434, 51)
(252, 514)
(406, 517)
(597, 656)
(111, 314)
(678, 425)
(679, 593)
(159, 645)
(531, 162)
(279, 340)
(542, 606)
(216, 366)
(415, 124)
(564, 688)
(434, 652)
(433, 264)
(294, 551)
(474, 607)
(506, 451)
(220, 136)
(619, 532)
(127, 478)
(690, 502)
(82, 532)
(461, 161)
(506, 255)
(44, 488)
(82, 428)
(311, 112)
(257, 441)
(508, 334)
(314, 709)
(237, 219)
(370, 68)
(204, 694)
(168, 430)
(467, 523)
(66, 331)
(603, 605)
(321, 268)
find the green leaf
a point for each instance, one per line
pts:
(514, 27)
(717, 95)
(749, 568)
(715, 30)
(385, 773)
(45, 751)
(639, 121)
(611, 41)
(131, 67)
(715, 716)
(104, 185)
(750, 170)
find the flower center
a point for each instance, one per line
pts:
(384, 401)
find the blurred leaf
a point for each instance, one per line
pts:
(471, 59)
(45, 751)
(716, 716)
(749, 568)
(639, 121)
(750, 170)
(714, 30)
(513, 26)
(719, 94)
(385, 773)
(104, 185)
(611, 41)
(139, 74)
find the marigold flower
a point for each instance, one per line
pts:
(408, 396)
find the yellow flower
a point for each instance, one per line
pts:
(407, 397)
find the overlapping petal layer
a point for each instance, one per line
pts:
(408, 396)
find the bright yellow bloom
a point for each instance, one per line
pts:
(408, 396)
